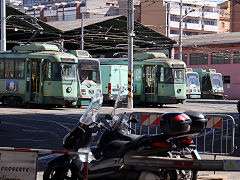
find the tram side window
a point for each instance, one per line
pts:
(137, 74)
(1, 69)
(161, 78)
(9, 69)
(56, 71)
(19, 69)
(48, 70)
(168, 75)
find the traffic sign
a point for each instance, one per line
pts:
(18, 165)
(231, 165)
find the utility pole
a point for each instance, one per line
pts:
(3, 25)
(180, 32)
(130, 29)
(82, 31)
(168, 19)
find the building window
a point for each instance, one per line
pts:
(198, 59)
(184, 57)
(212, 23)
(174, 18)
(221, 58)
(194, 21)
(223, 25)
(173, 32)
(226, 79)
(236, 57)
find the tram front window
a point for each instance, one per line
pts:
(68, 71)
(177, 76)
(192, 79)
(89, 72)
(63, 71)
(216, 80)
(174, 75)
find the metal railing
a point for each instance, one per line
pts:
(216, 139)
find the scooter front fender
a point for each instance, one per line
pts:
(60, 161)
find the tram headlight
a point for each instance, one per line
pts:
(69, 89)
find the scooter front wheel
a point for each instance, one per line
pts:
(59, 173)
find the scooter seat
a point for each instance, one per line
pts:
(132, 137)
(118, 148)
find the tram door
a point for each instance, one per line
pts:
(150, 82)
(35, 89)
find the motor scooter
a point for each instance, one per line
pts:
(106, 159)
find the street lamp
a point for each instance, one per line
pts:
(180, 27)
(3, 25)
(180, 32)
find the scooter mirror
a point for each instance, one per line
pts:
(133, 120)
(108, 117)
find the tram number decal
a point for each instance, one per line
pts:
(134, 88)
(11, 86)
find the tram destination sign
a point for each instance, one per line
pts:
(18, 165)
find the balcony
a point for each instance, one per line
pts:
(174, 24)
(210, 28)
(193, 26)
(176, 11)
(194, 14)
(210, 15)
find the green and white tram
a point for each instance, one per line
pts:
(211, 83)
(89, 77)
(193, 85)
(38, 74)
(156, 81)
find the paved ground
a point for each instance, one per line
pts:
(206, 106)
(204, 175)
(226, 175)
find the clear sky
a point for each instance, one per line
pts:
(218, 1)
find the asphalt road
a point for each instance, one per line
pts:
(44, 129)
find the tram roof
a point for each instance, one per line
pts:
(51, 55)
(109, 34)
(155, 61)
(210, 39)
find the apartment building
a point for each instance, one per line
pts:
(199, 17)
(235, 16)
(123, 5)
(58, 10)
(224, 16)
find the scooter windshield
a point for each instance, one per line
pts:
(91, 112)
(118, 102)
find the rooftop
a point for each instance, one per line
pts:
(227, 38)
